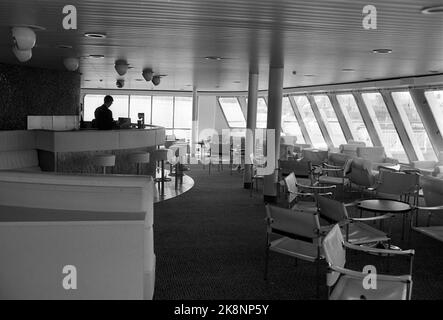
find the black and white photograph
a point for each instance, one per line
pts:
(221, 158)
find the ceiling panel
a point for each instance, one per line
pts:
(319, 38)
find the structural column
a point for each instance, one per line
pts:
(194, 137)
(250, 127)
(275, 97)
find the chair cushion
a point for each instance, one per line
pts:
(435, 232)
(295, 248)
(362, 233)
(349, 288)
(373, 154)
(10, 160)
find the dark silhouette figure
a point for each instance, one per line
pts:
(103, 116)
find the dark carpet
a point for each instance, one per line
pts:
(210, 244)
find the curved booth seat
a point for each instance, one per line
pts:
(101, 225)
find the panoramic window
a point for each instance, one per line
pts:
(140, 104)
(183, 117)
(404, 103)
(163, 112)
(355, 121)
(310, 122)
(232, 111)
(90, 103)
(330, 119)
(262, 113)
(119, 108)
(289, 123)
(388, 134)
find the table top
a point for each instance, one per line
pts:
(384, 205)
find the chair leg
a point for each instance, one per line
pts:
(318, 279)
(266, 262)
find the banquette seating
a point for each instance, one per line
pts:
(376, 155)
(100, 225)
(18, 151)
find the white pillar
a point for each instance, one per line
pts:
(275, 97)
(250, 126)
(194, 137)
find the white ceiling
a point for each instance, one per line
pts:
(319, 37)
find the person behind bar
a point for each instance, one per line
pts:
(103, 116)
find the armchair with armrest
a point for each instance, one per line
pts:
(430, 167)
(350, 148)
(433, 195)
(299, 236)
(297, 194)
(347, 284)
(376, 155)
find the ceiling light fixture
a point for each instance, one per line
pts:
(348, 70)
(121, 66)
(382, 51)
(309, 75)
(434, 71)
(71, 63)
(147, 74)
(96, 56)
(64, 46)
(432, 10)
(217, 58)
(95, 35)
(156, 80)
(22, 55)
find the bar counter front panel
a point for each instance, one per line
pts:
(74, 151)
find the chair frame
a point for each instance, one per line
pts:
(407, 279)
(273, 231)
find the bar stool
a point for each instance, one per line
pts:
(139, 158)
(104, 160)
(179, 152)
(162, 155)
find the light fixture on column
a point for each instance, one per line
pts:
(22, 55)
(147, 74)
(121, 66)
(24, 39)
(156, 80)
(71, 64)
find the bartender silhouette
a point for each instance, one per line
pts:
(103, 116)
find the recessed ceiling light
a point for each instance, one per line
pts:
(382, 51)
(368, 78)
(434, 71)
(64, 46)
(86, 80)
(309, 75)
(96, 56)
(32, 26)
(95, 35)
(294, 72)
(236, 81)
(348, 70)
(214, 58)
(432, 10)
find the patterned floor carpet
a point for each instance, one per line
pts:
(210, 244)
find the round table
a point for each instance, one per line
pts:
(386, 206)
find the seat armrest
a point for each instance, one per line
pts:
(382, 217)
(366, 249)
(362, 275)
(435, 208)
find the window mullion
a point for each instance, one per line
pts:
(300, 120)
(371, 124)
(320, 121)
(342, 118)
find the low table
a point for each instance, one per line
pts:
(386, 206)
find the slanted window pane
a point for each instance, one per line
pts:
(91, 102)
(262, 113)
(183, 113)
(435, 100)
(356, 124)
(330, 119)
(140, 104)
(404, 103)
(388, 134)
(310, 122)
(289, 123)
(162, 111)
(232, 111)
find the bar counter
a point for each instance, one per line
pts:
(73, 151)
